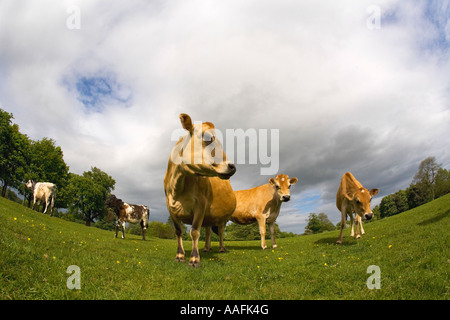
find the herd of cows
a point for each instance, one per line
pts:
(198, 192)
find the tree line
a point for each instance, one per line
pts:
(23, 159)
(430, 182)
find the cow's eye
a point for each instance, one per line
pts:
(289, 186)
(208, 138)
(277, 186)
(358, 202)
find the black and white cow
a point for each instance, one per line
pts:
(43, 191)
(131, 213)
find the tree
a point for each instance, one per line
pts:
(442, 182)
(327, 225)
(318, 223)
(88, 193)
(394, 204)
(45, 163)
(427, 173)
(13, 148)
(417, 195)
(388, 207)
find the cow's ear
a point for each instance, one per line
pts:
(293, 180)
(349, 196)
(186, 122)
(272, 181)
(373, 192)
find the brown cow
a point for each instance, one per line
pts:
(196, 185)
(131, 213)
(351, 198)
(262, 204)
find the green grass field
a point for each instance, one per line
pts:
(411, 249)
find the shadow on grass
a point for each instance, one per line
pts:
(332, 240)
(434, 219)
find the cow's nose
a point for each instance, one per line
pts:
(368, 216)
(231, 166)
(286, 198)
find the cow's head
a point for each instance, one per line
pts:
(361, 202)
(282, 185)
(200, 153)
(113, 202)
(30, 184)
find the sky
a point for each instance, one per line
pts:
(360, 86)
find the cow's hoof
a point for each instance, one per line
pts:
(206, 249)
(179, 258)
(339, 242)
(358, 236)
(195, 263)
(274, 246)
(222, 250)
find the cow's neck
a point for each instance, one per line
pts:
(177, 180)
(276, 201)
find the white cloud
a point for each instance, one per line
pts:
(345, 98)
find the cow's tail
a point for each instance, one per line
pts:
(148, 217)
(215, 229)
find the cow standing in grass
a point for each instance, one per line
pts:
(262, 204)
(131, 213)
(351, 198)
(43, 191)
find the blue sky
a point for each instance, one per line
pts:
(344, 97)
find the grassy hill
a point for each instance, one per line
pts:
(411, 250)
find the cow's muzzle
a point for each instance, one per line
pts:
(368, 216)
(231, 169)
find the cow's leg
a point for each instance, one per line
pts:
(123, 229)
(117, 228)
(207, 239)
(179, 232)
(194, 260)
(52, 204)
(343, 216)
(46, 205)
(352, 221)
(144, 228)
(221, 232)
(357, 218)
(34, 202)
(262, 231)
(361, 226)
(272, 234)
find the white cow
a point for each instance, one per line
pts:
(45, 191)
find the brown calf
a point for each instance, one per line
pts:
(351, 198)
(262, 204)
